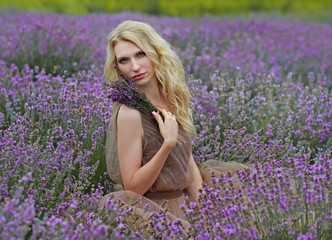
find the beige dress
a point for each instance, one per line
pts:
(175, 177)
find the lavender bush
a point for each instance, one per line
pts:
(261, 94)
(274, 46)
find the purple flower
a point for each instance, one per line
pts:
(124, 91)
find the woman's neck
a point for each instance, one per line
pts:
(155, 96)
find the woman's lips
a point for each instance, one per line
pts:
(139, 76)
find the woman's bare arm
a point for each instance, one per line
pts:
(198, 181)
(135, 177)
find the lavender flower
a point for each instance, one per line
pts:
(275, 112)
(124, 91)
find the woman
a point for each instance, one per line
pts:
(145, 159)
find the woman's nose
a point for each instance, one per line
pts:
(135, 66)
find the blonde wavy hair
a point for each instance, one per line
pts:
(168, 67)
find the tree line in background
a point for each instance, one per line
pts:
(185, 8)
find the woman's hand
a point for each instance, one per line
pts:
(168, 128)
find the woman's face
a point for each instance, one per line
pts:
(133, 62)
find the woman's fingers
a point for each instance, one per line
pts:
(166, 113)
(169, 127)
(163, 111)
(157, 117)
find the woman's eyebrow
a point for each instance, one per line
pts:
(138, 51)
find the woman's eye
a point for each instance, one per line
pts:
(141, 54)
(122, 60)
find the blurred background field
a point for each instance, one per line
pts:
(259, 73)
(319, 9)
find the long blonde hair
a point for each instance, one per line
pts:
(168, 67)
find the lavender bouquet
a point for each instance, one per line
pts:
(124, 91)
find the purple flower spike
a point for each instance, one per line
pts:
(124, 91)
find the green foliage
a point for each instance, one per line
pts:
(61, 6)
(186, 8)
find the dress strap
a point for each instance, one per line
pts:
(163, 195)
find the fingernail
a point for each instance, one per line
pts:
(154, 113)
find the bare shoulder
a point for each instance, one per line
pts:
(129, 116)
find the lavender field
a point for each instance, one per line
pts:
(261, 94)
